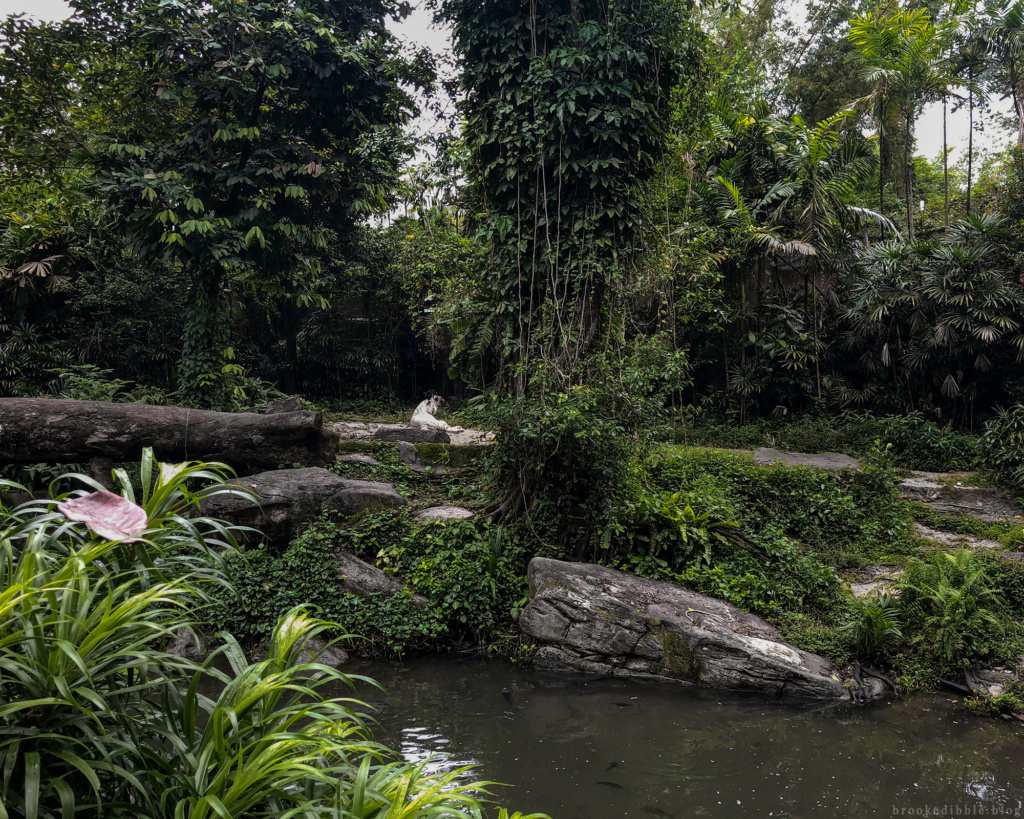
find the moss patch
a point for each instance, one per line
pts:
(678, 660)
(455, 456)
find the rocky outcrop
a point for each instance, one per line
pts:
(281, 503)
(313, 651)
(362, 579)
(288, 404)
(411, 434)
(357, 458)
(359, 431)
(411, 458)
(826, 460)
(936, 490)
(444, 513)
(191, 644)
(873, 580)
(600, 621)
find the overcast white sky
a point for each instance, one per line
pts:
(417, 28)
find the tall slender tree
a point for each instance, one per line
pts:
(899, 54)
(1006, 56)
(566, 106)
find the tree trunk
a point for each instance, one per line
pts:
(945, 170)
(200, 368)
(910, 179)
(290, 320)
(881, 178)
(970, 139)
(1018, 104)
(43, 430)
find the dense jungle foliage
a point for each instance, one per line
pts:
(201, 197)
(647, 226)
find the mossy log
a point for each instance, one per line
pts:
(44, 430)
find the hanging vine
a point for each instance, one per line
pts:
(564, 113)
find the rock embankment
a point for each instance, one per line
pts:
(946, 497)
(380, 431)
(280, 504)
(765, 456)
(597, 620)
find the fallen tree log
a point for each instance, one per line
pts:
(46, 430)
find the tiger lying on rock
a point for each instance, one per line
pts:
(423, 415)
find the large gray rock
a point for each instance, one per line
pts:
(357, 458)
(361, 578)
(766, 456)
(414, 435)
(284, 501)
(191, 644)
(444, 513)
(289, 404)
(986, 503)
(313, 651)
(411, 458)
(601, 621)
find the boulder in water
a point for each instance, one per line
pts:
(600, 621)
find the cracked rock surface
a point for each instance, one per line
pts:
(986, 503)
(596, 620)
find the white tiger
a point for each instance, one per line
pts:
(423, 415)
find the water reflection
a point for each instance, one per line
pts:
(595, 749)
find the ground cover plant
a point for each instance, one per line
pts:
(916, 442)
(97, 719)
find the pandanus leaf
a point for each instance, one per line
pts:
(108, 515)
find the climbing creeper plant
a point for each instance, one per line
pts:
(565, 109)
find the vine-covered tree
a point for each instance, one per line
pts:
(565, 111)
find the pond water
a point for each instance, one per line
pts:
(596, 749)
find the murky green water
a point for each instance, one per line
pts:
(578, 747)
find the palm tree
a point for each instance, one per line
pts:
(900, 54)
(969, 63)
(1006, 52)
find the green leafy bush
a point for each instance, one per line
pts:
(875, 625)
(665, 525)
(951, 604)
(564, 446)
(1003, 445)
(471, 573)
(849, 515)
(917, 443)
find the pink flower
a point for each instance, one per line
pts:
(108, 515)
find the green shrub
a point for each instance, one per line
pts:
(815, 635)
(917, 443)
(875, 625)
(1009, 702)
(1003, 445)
(564, 446)
(472, 574)
(664, 525)
(854, 513)
(951, 601)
